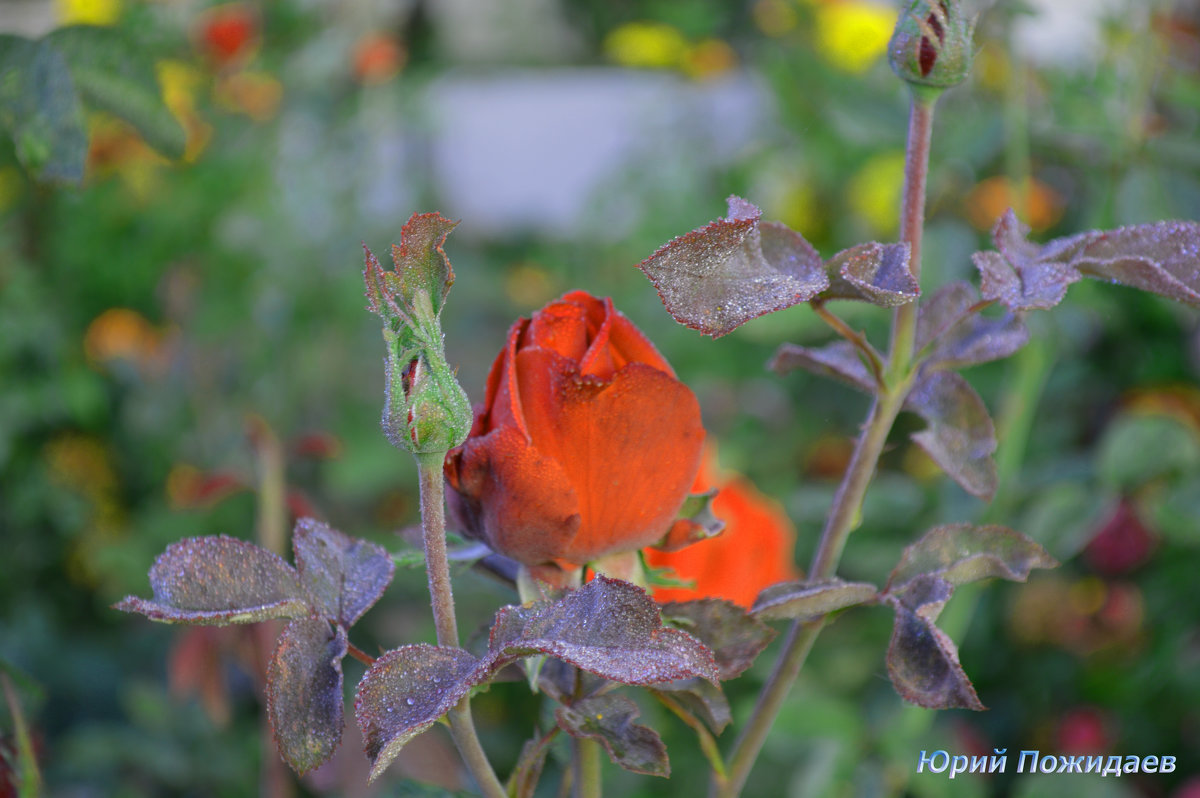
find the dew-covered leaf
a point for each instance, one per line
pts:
(304, 692)
(922, 660)
(804, 600)
(610, 628)
(961, 553)
(420, 261)
(219, 580)
(722, 275)
(609, 719)
(1162, 258)
(344, 576)
(872, 272)
(40, 107)
(116, 75)
(957, 337)
(701, 699)
(734, 636)
(960, 437)
(406, 691)
(839, 360)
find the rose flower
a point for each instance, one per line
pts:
(754, 550)
(585, 444)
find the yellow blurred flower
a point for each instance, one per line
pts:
(852, 35)
(653, 45)
(88, 12)
(255, 94)
(774, 17)
(180, 84)
(874, 192)
(992, 67)
(81, 464)
(1040, 207)
(708, 58)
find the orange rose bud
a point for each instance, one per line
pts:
(754, 550)
(585, 444)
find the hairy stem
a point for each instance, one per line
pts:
(437, 565)
(847, 502)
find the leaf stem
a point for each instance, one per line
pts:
(587, 768)
(847, 502)
(708, 745)
(360, 655)
(858, 339)
(437, 565)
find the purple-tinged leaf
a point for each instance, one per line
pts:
(960, 437)
(958, 337)
(1163, 258)
(722, 275)
(961, 553)
(700, 699)
(872, 272)
(420, 261)
(304, 692)
(806, 600)
(344, 576)
(735, 637)
(528, 770)
(1037, 286)
(612, 629)
(406, 691)
(219, 580)
(839, 360)
(922, 660)
(609, 719)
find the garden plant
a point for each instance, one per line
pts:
(582, 476)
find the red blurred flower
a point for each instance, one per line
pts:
(378, 57)
(585, 444)
(1122, 544)
(226, 34)
(1083, 730)
(753, 551)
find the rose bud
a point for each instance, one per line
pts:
(932, 45)
(585, 445)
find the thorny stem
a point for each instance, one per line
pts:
(437, 565)
(847, 502)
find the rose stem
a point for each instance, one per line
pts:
(433, 525)
(587, 768)
(847, 502)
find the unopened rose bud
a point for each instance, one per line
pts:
(931, 45)
(425, 410)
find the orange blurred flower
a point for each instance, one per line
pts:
(255, 94)
(123, 334)
(378, 58)
(992, 197)
(753, 551)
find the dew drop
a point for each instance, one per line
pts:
(409, 701)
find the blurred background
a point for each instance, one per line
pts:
(184, 351)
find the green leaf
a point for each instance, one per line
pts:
(40, 107)
(304, 692)
(735, 636)
(1136, 450)
(720, 276)
(961, 553)
(609, 719)
(344, 576)
(219, 580)
(117, 75)
(807, 600)
(694, 522)
(961, 437)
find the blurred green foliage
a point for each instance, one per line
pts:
(148, 314)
